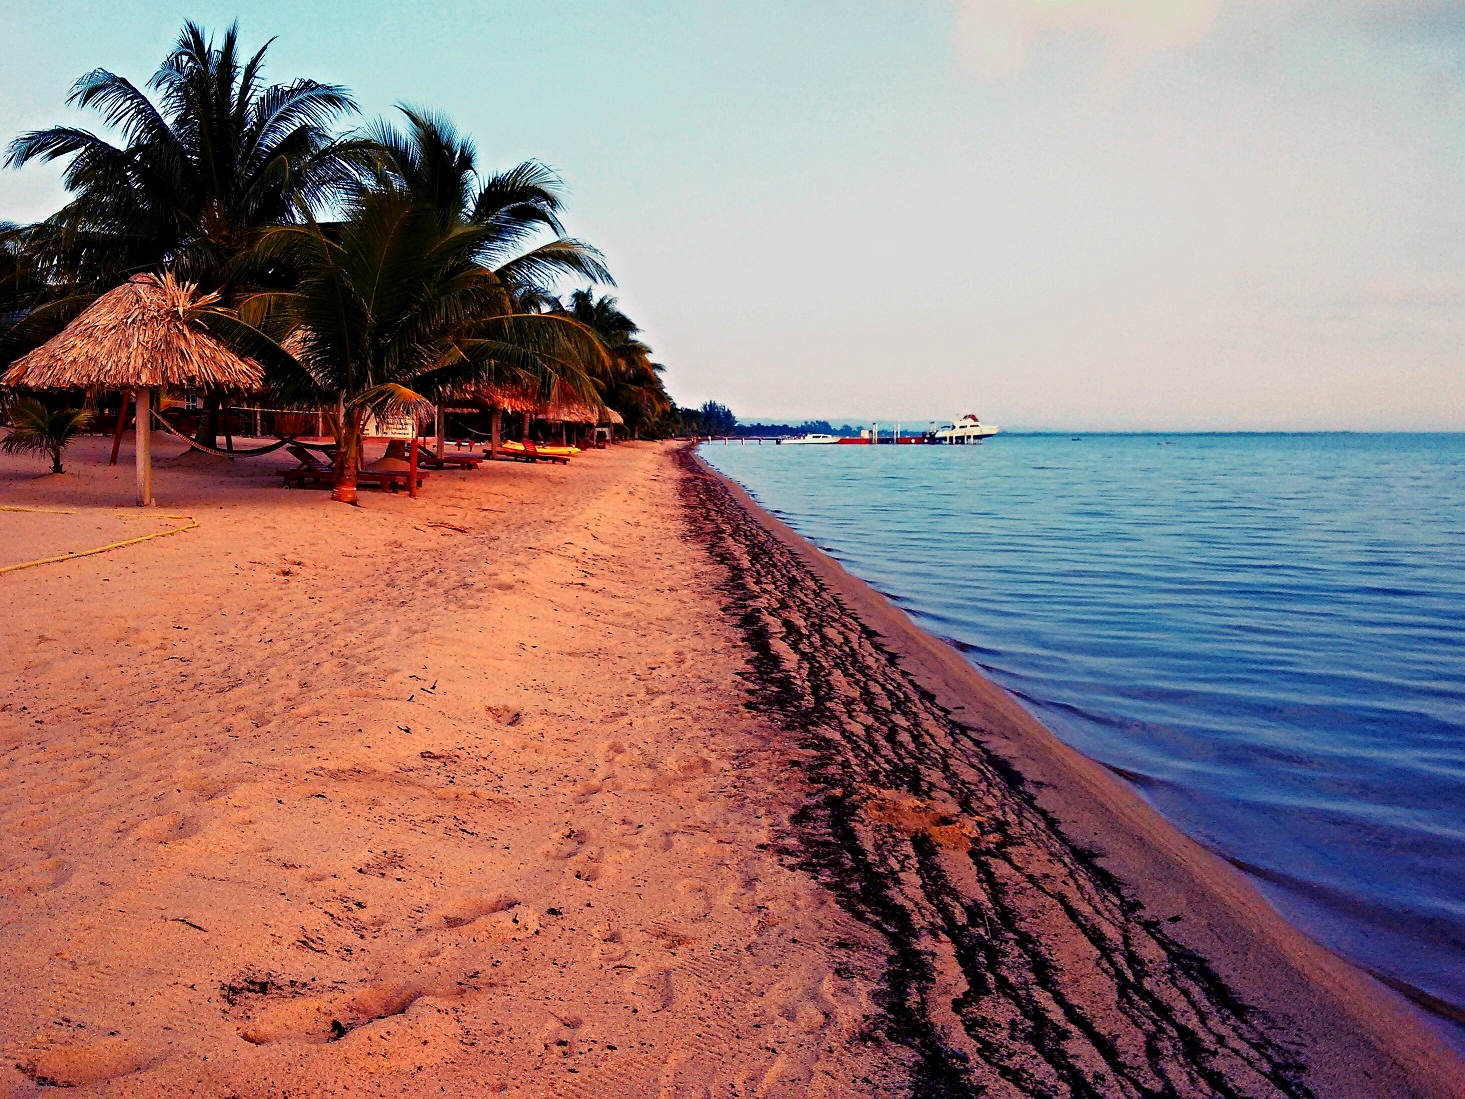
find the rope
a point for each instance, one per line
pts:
(281, 442)
(189, 523)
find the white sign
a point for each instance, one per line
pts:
(392, 425)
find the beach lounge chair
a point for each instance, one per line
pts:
(449, 461)
(394, 479)
(311, 471)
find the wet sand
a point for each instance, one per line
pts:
(582, 781)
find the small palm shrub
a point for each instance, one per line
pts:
(36, 429)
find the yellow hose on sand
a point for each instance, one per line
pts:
(188, 521)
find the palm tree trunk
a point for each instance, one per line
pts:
(496, 432)
(56, 458)
(348, 457)
(144, 455)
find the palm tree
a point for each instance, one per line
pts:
(219, 156)
(391, 308)
(35, 428)
(632, 385)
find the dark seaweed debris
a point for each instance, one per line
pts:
(1016, 964)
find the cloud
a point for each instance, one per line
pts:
(994, 38)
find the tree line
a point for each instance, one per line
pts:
(366, 269)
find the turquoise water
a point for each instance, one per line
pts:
(1264, 633)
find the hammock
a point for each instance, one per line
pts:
(279, 442)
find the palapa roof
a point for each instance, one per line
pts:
(138, 335)
(609, 415)
(518, 399)
(510, 398)
(569, 411)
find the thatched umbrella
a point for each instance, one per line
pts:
(138, 337)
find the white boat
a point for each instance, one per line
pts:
(966, 430)
(809, 438)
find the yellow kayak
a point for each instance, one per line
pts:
(516, 447)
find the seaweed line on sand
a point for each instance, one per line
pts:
(1016, 964)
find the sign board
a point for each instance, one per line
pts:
(391, 425)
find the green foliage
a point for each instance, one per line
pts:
(36, 429)
(217, 156)
(415, 294)
(436, 275)
(632, 385)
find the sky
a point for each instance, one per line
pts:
(1068, 214)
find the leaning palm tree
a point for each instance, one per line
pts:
(513, 216)
(632, 383)
(437, 166)
(194, 176)
(391, 308)
(219, 155)
(34, 428)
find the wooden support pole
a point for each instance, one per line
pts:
(412, 467)
(495, 432)
(121, 424)
(442, 424)
(144, 401)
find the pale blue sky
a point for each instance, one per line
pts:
(1070, 213)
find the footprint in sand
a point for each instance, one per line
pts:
(650, 991)
(609, 948)
(788, 1076)
(586, 865)
(691, 900)
(558, 1035)
(38, 877)
(465, 910)
(563, 844)
(164, 829)
(77, 1066)
(320, 1019)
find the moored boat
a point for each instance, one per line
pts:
(808, 438)
(966, 430)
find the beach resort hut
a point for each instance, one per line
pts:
(563, 410)
(515, 400)
(137, 337)
(605, 431)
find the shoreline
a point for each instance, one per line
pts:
(1311, 1023)
(572, 781)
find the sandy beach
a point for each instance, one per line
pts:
(587, 780)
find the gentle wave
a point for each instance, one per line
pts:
(1263, 633)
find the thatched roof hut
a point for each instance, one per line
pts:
(137, 336)
(610, 416)
(567, 410)
(509, 398)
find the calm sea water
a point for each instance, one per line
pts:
(1264, 633)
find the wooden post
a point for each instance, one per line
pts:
(121, 423)
(442, 421)
(228, 431)
(144, 401)
(525, 437)
(495, 432)
(412, 466)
